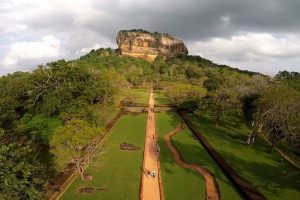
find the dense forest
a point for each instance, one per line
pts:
(50, 117)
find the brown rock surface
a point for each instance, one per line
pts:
(146, 45)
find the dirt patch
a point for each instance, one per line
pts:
(88, 177)
(129, 147)
(86, 190)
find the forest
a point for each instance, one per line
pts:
(52, 116)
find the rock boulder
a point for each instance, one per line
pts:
(146, 45)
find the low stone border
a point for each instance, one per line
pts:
(247, 190)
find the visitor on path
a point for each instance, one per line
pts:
(153, 174)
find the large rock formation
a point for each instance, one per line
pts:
(146, 45)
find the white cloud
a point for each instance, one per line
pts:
(251, 46)
(103, 44)
(77, 26)
(47, 48)
(262, 52)
(88, 49)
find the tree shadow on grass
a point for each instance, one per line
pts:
(198, 155)
(265, 176)
(207, 126)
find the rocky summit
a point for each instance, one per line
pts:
(147, 45)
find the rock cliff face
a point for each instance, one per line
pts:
(146, 45)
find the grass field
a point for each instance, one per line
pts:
(276, 180)
(192, 152)
(160, 98)
(178, 183)
(115, 171)
(138, 95)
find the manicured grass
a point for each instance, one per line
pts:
(160, 98)
(276, 180)
(193, 152)
(141, 95)
(138, 95)
(115, 171)
(178, 183)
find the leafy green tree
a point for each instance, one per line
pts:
(290, 78)
(39, 127)
(193, 71)
(279, 112)
(74, 143)
(22, 176)
(177, 93)
(219, 101)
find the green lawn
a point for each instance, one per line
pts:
(193, 152)
(276, 180)
(138, 95)
(160, 98)
(115, 171)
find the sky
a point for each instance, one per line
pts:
(257, 35)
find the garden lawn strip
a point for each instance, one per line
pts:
(115, 172)
(178, 183)
(212, 191)
(276, 179)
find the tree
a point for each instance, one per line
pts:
(290, 78)
(74, 143)
(219, 101)
(39, 127)
(279, 112)
(22, 176)
(177, 93)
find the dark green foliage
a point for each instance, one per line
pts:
(279, 111)
(290, 78)
(33, 105)
(38, 127)
(22, 176)
(214, 81)
(136, 71)
(188, 105)
(249, 106)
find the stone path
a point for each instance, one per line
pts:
(150, 186)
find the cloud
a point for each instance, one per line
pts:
(86, 50)
(251, 46)
(252, 50)
(47, 48)
(79, 25)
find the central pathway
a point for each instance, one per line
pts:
(150, 186)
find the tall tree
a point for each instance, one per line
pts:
(74, 143)
(22, 176)
(279, 111)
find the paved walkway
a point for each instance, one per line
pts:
(150, 187)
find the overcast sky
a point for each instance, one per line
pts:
(258, 35)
